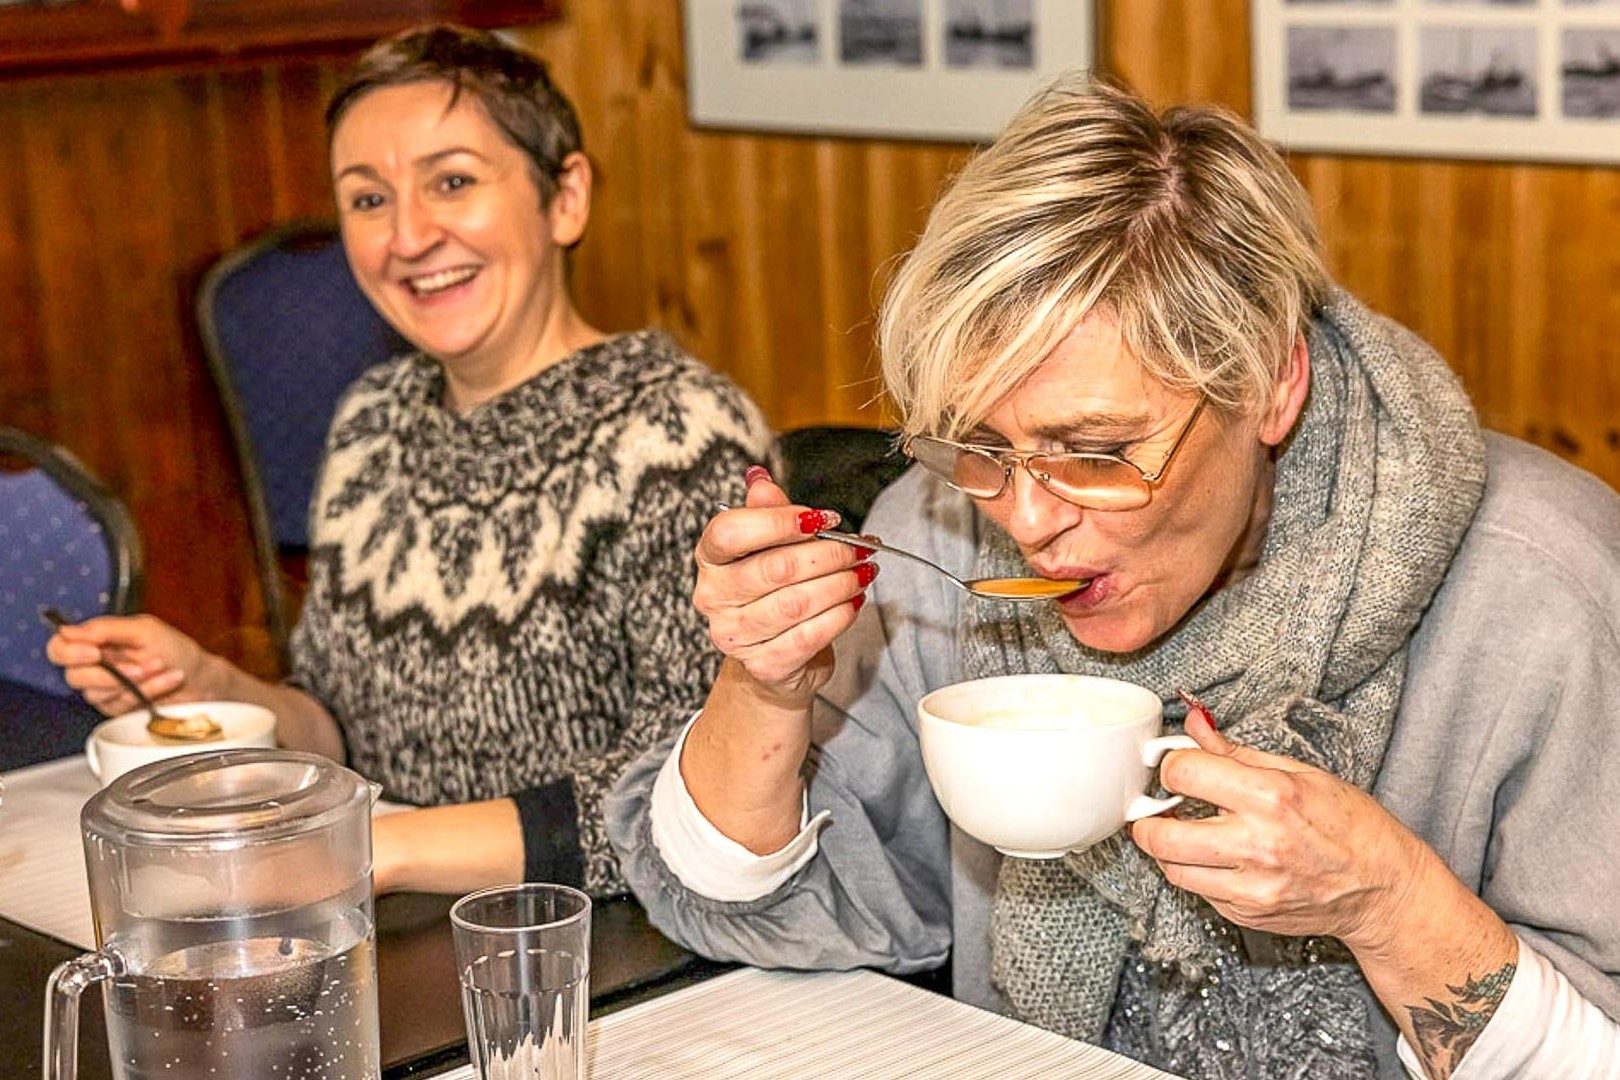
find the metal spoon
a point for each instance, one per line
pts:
(196, 728)
(1017, 589)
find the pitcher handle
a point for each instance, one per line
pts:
(62, 993)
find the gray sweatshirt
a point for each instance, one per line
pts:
(1505, 757)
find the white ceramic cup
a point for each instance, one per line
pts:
(123, 743)
(1041, 765)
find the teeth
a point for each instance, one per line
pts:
(444, 279)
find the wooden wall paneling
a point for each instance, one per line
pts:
(651, 100)
(246, 151)
(57, 129)
(848, 300)
(25, 377)
(1174, 51)
(787, 289)
(765, 254)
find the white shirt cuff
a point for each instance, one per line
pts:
(1543, 1027)
(706, 860)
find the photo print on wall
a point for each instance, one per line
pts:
(1520, 79)
(927, 69)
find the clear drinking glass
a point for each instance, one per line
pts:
(523, 952)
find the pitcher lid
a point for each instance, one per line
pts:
(225, 798)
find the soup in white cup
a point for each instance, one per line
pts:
(1041, 765)
(123, 743)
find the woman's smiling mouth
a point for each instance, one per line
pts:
(431, 284)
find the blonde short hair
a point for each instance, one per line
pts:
(1186, 227)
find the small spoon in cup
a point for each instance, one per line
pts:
(1015, 589)
(196, 728)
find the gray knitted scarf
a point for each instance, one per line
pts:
(1304, 657)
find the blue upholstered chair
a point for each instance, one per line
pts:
(64, 542)
(286, 330)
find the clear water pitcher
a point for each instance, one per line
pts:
(232, 900)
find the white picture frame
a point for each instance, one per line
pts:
(1496, 79)
(953, 70)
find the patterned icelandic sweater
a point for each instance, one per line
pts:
(499, 601)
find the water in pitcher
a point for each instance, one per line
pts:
(285, 996)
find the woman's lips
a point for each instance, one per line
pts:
(1089, 597)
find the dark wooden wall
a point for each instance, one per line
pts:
(765, 254)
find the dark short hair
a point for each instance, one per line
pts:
(513, 86)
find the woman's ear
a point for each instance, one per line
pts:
(570, 207)
(1287, 395)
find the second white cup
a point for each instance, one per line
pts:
(123, 743)
(1040, 765)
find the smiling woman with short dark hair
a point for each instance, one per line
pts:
(502, 515)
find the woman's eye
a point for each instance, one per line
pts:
(366, 201)
(455, 182)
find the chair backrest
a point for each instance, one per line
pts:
(64, 541)
(286, 330)
(837, 467)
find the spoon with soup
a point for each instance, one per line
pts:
(1016, 589)
(197, 727)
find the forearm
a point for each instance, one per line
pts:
(1440, 966)
(742, 760)
(448, 849)
(302, 722)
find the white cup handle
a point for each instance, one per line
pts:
(1153, 752)
(92, 757)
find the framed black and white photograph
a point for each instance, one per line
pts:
(1516, 79)
(927, 69)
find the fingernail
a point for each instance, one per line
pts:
(864, 573)
(755, 474)
(864, 553)
(813, 521)
(1196, 708)
(858, 600)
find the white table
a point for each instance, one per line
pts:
(831, 1025)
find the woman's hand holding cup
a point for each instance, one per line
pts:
(1292, 849)
(774, 596)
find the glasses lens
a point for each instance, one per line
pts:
(1102, 483)
(970, 471)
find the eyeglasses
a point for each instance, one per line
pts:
(1094, 481)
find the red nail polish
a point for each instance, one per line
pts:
(864, 573)
(864, 553)
(812, 521)
(857, 601)
(1197, 708)
(755, 474)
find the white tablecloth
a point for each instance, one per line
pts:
(843, 1025)
(42, 878)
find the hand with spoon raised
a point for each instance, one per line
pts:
(776, 598)
(998, 588)
(1016, 589)
(123, 663)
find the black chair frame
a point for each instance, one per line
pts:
(265, 550)
(123, 539)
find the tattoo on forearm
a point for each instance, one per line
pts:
(1444, 1032)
